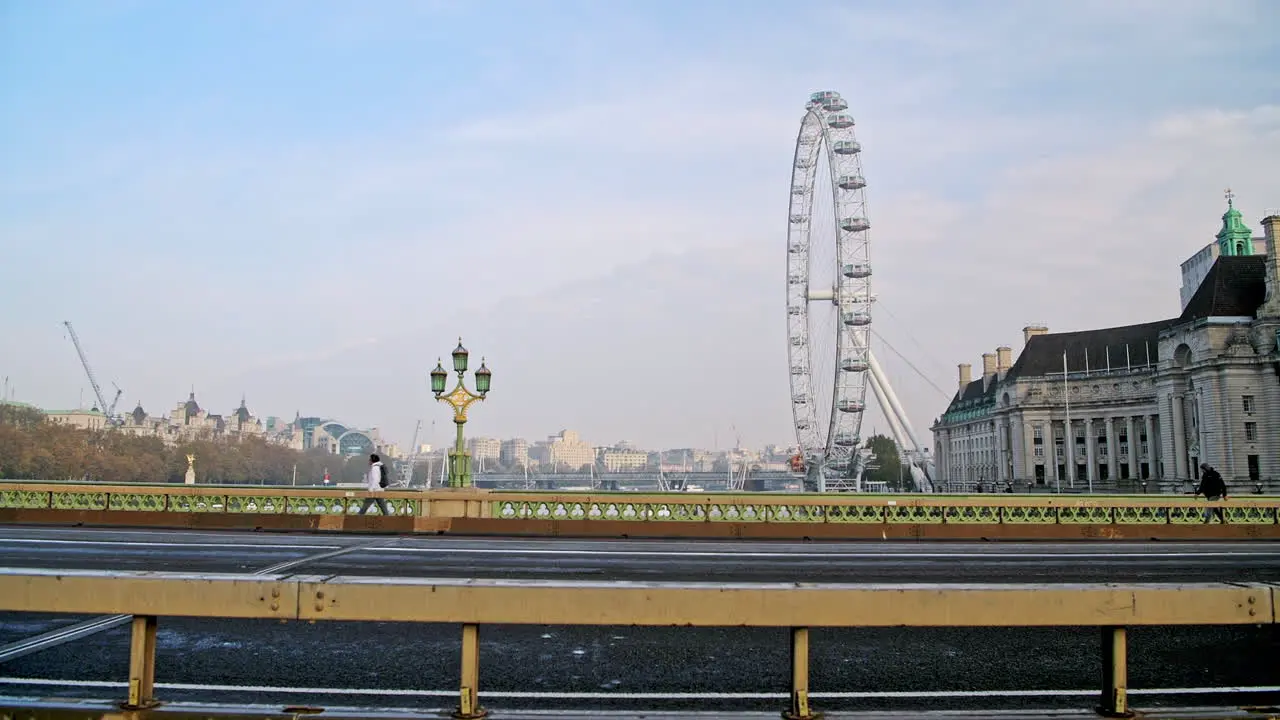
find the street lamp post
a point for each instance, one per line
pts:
(460, 398)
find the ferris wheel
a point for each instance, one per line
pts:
(828, 294)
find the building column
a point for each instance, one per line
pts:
(1068, 453)
(1179, 439)
(1113, 451)
(1029, 451)
(1090, 453)
(1002, 451)
(1153, 448)
(943, 457)
(1134, 447)
(1017, 449)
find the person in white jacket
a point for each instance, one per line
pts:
(373, 481)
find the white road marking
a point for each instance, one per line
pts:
(1101, 553)
(908, 694)
(142, 543)
(730, 553)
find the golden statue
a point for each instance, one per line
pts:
(191, 462)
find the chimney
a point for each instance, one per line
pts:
(1270, 307)
(1031, 331)
(1004, 359)
(966, 375)
(988, 365)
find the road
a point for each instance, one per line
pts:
(416, 666)
(653, 560)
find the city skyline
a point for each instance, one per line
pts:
(290, 224)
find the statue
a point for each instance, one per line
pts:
(191, 469)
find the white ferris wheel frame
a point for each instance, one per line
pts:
(831, 443)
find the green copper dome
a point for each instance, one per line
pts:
(1235, 238)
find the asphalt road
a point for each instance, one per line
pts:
(416, 666)
(651, 560)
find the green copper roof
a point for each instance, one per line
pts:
(1235, 238)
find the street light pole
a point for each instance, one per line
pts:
(460, 398)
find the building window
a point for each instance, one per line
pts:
(1251, 431)
(1249, 403)
(1039, 451)
(1255, 473)
(1037, 435)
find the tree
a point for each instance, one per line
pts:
(887, 464)
(33, 449)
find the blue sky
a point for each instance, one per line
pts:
(230, 194)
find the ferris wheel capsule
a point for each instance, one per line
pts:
(851, 182)
(851, 406)
(840, 121)
(855, 365)
(855, 224)
(846, 147)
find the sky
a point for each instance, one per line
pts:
(306, 202)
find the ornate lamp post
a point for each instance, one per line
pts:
(460, 398)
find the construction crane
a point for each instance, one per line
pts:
(108, 410)
(413, 457)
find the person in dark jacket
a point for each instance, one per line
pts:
(1212, 487)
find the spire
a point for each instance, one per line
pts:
(1235, 238)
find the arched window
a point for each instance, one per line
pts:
(1182, 356)
(1239, 247)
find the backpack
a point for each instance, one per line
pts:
(382, 472)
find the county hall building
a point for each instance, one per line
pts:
(1120, 408)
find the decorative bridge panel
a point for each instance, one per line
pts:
(24, 499)
(148, 502)
(197, 503)
(80, 501)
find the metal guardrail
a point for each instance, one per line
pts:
(627, 507)
(471, 603)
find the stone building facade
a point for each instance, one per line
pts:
(1117, 408)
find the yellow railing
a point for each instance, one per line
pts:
(472, 603)
(623, 507)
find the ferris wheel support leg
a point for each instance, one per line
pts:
(878, 373)
(899, 435)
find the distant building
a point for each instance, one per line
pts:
(565, 452)
(623, 457)
(514, 453)
(84, 419)
(1141, 402)
(485, 451)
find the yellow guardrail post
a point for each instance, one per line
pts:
(469, 696)
(800, 677)
(1115, 673)
(142, 664)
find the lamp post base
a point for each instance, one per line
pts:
(459, 469)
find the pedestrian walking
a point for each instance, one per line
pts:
(376, 482)
(1214, 488)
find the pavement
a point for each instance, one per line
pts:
(84, 710)
(723, 671)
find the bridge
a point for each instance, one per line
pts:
(254, 600)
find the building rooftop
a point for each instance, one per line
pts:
(1235, 286)
(1115, 347)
